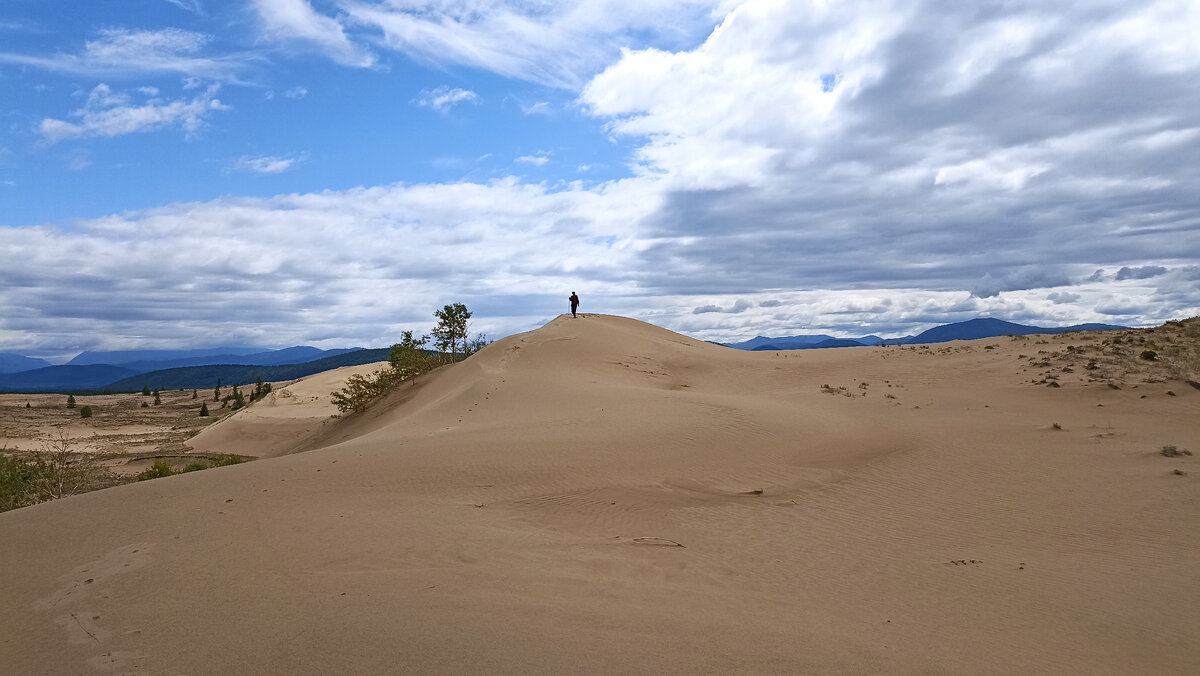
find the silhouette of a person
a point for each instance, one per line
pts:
(574, 304)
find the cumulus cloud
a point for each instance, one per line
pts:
(859, 144)
(442, 99)
(334, 268)
(1144, 272)
(1062, 297)
(1028, 277)
(111, 113)
(739, 306)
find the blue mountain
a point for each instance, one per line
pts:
(11, 362)
(63, 378)
(983, 327)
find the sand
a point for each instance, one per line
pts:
(602, 496)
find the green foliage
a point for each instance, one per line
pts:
(55, 471)
(157, 470)
(194, 395)
(157, 398)
(360, 390)
(16, 478)
(163, 467)
(70, 401)
(85, 412)
(204, 410)
(1149, 355)
(145, 390)
(217, 392)
(261, 390)
(452, 329)
(238, 399)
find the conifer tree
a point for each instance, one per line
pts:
(70, 401)
(204, 410)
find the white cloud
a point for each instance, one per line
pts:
(110, 113)
(192, 6)
(443, 98)
(267, 164)
(297, 20)
(559, 44)
(539, 108)
(536, 160)
(120, 51)
(296, 93)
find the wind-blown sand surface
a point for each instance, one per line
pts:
(603, 496)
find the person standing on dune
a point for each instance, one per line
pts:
(574, 304)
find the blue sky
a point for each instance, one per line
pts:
(190, 173)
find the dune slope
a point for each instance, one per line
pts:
(603, 496)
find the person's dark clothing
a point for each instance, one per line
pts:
(574, 303)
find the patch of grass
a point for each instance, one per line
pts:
(163, 468)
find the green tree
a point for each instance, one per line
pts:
(70, 401)
(217, 392)
(193, 394)
(85, 412)
(204, 410)
(409, 358)
(157, 398)
(145, 390)
(450, 334)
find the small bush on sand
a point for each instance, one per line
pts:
(1173, 452)
(1149, 355)
(157, 470)
(57, 470)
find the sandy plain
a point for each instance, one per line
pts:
(604, 496)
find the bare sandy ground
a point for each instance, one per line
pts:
(603, 496)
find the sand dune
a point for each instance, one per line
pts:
(603, 496)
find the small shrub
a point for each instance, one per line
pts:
(1056, 426)
(1149, 355)
(204, 410)
(195, 466)
(1173, 452)
(85, 412)
(70, 401)
(158, 469)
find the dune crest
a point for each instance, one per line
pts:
(601, 495)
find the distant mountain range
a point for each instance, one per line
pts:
(131, 370)
(985, 327)
(128, 371)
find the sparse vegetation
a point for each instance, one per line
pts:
(161, 467)
(85, 412)
(204, 410)
(57, 470)
(409, 359)
(1149, 355)
(1174, 452)
(70, 401)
